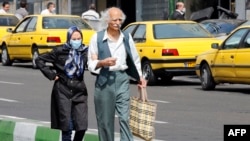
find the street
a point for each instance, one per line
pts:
(184, 111)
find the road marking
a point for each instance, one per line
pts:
(159, 101)
(160, 122)
(12, 117)
(45, 122)
(8, 100)
(14, 83)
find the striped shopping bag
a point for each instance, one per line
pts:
(142, 116)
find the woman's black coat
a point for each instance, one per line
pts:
(69, 96)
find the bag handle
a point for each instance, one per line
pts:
(143, 96)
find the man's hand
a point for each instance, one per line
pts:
(109, 61)
(142, 83)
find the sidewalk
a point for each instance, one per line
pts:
(19, 129)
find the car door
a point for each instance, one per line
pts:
(17, 40)
(223, 64)
(242, 61)
(140, 39)
(29, 36)
(132, 29)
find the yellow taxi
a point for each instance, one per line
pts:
(226, 63)
(168, 48)
(37, 34)
(6, 21)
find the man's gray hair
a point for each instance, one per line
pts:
(105, 18)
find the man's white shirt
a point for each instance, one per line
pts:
(90, 15)
(2, 11)
(117, 50)
(46, 12)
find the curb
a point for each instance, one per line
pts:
(18, 130)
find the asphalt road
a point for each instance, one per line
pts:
(184, 112)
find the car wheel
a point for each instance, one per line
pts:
(147, 73)
(207, 81)
(5, 57)
(35, 54)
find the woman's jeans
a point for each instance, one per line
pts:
(66, 135)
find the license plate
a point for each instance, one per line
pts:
(189, 64)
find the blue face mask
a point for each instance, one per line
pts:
(75, 44)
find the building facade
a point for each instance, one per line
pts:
(137, 10)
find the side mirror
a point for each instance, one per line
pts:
(9, 30)
(215, 46)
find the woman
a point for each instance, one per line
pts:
(69, 109)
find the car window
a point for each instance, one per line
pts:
(234, 40)
(7, 20)
(22, 25)
(130, 29)
(246, 43)
(179, 30)
(139, 35)
(32, 25)
(94, 24)
(63, 22)
(219, 26)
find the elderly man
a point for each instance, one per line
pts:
(113, 57)
(179, 11)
